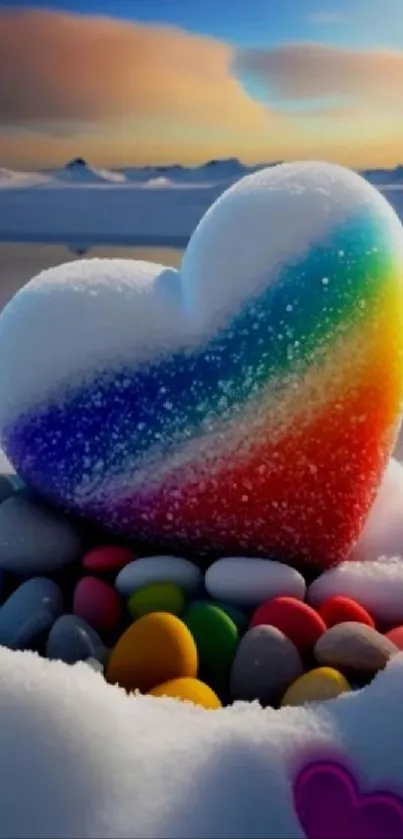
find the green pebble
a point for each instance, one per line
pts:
(156, 597)
(241, 620)
(217, 638)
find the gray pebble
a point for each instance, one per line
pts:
(6, 488)
(34, 540)
(71, 639)
(29, 611)
(354, 646)
(265, 665)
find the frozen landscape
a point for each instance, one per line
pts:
(81, 206)
(54, 216)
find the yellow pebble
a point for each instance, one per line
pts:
(191, 689)
(154, 649)
(316, 686)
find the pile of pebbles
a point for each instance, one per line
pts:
(233, 629)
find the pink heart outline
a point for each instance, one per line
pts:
(330, 805)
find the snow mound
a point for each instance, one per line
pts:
(10, 178)
(382, 534)
(80, 758)
(158, 182)
(376, 584)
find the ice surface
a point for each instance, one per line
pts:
(79, 758)
(44, 206)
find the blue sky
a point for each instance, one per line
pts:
(358, 23)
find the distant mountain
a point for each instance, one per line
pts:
(216, 172)
(384, 177)
(78, 170)
(213, 171)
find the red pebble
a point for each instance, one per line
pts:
(298, 621)
(396, 636)
(98, 603)
(107, 558)
(340, 609)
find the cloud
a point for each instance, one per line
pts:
(120, 92)
(65, 68)
(315, 71)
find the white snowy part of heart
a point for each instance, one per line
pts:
(89, 316)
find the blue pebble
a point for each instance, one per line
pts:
(6, 488)
(29, 611)
(71, 639)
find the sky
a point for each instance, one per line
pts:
(135, 82)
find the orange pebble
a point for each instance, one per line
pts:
(154, 649)
(192, 690)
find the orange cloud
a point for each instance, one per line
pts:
(57, 68)
(121, 93)
(311, 71)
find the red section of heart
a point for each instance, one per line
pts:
(309, 501)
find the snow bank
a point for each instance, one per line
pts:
(80, 758)
(383, 531)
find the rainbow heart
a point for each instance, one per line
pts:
(247, 403)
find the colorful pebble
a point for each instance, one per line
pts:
(316, 686)
(340, 609)
(216, 637)
(34, 539)
(98, 603)
(191, 690)
(239, 618)
(6, 488)
(153, 650)
(30, 611)
(246, 581)
(354, 646)
(71, 639)
(396, 636)
(159, 569)
(301, 624)
(265, 665)
(156, 597)
(107, 558)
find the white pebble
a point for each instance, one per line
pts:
(246, 581)
(377, 585)
(159, 569)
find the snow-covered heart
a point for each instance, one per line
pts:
(247, 403)
(80, 758)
